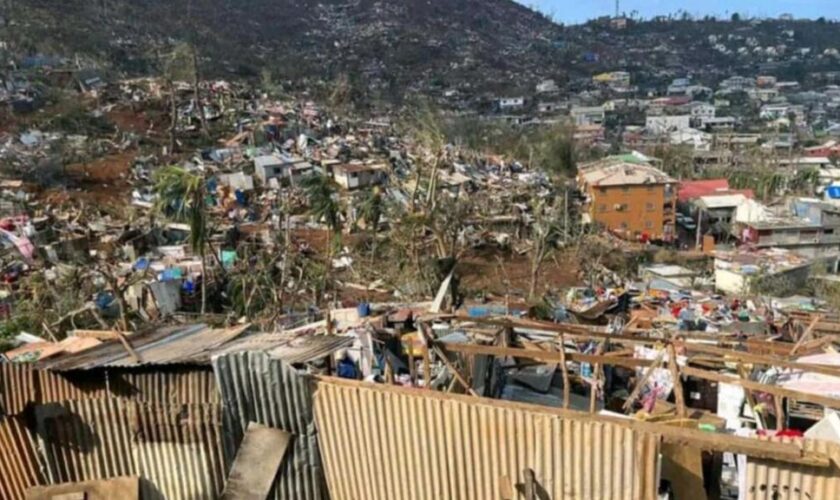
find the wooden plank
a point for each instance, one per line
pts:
(131, 352)
(678, 388)
(566, 388)
(454, 371)
(761, 359)
(641, 384)
(256, 463)
(769, 389)
(553, 357)
(807, 335)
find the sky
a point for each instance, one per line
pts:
(576, 11)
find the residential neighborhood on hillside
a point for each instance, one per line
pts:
(455, 249)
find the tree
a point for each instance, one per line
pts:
(371, 210)
(322, 195)
(545, 232)
(182, 196)
(736, 18)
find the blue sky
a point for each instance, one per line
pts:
(576, 11)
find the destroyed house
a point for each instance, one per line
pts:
(267, 167)
(626, 195)
(356, 176)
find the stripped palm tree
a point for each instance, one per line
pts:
(181, 195)
(322, 195)
(371, 211)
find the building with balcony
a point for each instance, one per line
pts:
(630, 197)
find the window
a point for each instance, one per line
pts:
(649, 207)
(623, 225)
(602, 190)
(602, 207)
(650, 189)
(626, 189)
(648, 224)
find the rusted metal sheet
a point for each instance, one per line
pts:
(85, 440)
(393, 443)
(290, 347)
(770, 480)
(57, 387)
(257, 388)
(20, 467)
(181, 385)
(17, 388)
(178, 450)
(168, 345)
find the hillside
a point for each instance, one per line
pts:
(394, 47)
(393, 41)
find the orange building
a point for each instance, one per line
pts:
(630, 197)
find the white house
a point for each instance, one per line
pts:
(278, 166)
(357, 175)
(702, 110)
(511, 103)
(665, 124)
(547, 87)
(588, 115)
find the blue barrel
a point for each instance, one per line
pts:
(363, 309)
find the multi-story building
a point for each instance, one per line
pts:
(629, 196)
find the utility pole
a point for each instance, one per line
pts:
(617, 8)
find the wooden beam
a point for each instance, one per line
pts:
(553, 357)
(806, 335)
(565, 373)
(454, 371)
(762, 359)
(755, 386)
(127, 345)
(678, 388)
(640, 384)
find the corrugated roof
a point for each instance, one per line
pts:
(257, 388)
(168, 345)
(289, 347)
(616, 172)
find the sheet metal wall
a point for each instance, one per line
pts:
(769, 480)
(17, 388)
(20, 467)
(257, 388)
(176, 448)
(391, 443)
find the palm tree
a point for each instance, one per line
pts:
(322, 195)
(371, 210)
(181, 195)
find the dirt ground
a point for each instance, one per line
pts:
(102, 181)
(500, 272)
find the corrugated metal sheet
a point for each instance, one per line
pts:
(177, 448)
(257, 388)
(182, 385)
(84, 440)
(168, 345)
(20, 467)
(289, 347)
(17, 388)
(57, 387)
(392, 443)
(770, 480)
